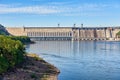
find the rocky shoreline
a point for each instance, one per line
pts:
(33, 68)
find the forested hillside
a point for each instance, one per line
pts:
(3, 31)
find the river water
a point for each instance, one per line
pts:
(81, 60)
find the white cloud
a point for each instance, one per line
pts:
(4, 5)
(79, 9)
(28, 9)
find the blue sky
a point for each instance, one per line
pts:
(43, 13)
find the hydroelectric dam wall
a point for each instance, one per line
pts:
(66, 33)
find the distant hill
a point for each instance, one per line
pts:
(3, 31)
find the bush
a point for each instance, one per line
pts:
(11, 53)
(3, 64)
(33, 76)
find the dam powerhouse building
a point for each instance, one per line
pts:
(66, 33)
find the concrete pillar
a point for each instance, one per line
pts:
(28, 34)
(62, 34)
(53, 34)
(43, 34)
(40, 34)
(48, 34)
(67, 34)
(58, 34)
(32, 33)
(37, 34)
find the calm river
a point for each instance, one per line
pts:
(81, 60)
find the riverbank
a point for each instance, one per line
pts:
(33, 68)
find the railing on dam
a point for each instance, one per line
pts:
(51, 38)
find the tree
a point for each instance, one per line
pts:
(11, 53)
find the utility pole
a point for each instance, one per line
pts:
(74, 25)
(82, 25)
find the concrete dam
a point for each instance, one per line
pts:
(66, 33)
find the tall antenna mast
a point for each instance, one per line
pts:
(58, 25)
(82, 25)
(74, 25)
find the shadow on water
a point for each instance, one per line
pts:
(81, 60)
